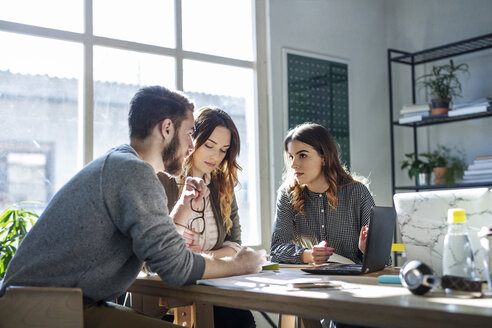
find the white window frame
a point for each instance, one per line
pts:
(86, 89)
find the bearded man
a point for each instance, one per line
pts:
(101, 226)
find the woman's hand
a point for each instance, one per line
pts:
(363, 238)
(194, 191)
(189, 237)
(319, 254)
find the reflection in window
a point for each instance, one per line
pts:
(46, 13)
(143, 21)
(231, 89)
(26, 171)
(219, 27)
(39, 106)
(114, 87)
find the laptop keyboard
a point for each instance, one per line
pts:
(330, 266)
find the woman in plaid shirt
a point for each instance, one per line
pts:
(321, 209)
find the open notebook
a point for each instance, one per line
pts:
(378, 246)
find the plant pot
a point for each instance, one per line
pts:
(439, 175)
(439, 106)
(424, 179)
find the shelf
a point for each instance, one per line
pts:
(449, 50)
(453, 186)
(440, 119)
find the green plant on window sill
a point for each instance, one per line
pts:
(415, 166)
(14, 224)
(443, 157)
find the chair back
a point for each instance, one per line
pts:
(30, 307)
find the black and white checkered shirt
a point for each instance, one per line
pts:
(339, 227)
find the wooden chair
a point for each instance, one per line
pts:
(30, 307)
(185, 312)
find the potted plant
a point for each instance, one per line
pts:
(447, 168)
(417, 169)
(443, 84)
(14, 224)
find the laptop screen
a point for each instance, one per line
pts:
(422, 222)
(379, 239)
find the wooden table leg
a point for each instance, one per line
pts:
(204, 315)
(309, 323)
(286, 321)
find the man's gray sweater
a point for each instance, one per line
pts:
(98, 230)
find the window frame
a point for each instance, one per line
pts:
(86, 88)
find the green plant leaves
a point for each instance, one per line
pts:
(415, 165)
(443, 80)
(14, 224)
(442, 156)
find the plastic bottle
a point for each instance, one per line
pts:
(457, 257)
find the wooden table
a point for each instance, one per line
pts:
(362, 301)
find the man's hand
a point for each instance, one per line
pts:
(245, 261)
(249, 260)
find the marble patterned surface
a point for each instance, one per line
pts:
(422, 219)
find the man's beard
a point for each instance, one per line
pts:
(172, 163)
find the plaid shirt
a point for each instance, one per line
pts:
(339, 227)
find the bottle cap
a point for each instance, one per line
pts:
(456, 215)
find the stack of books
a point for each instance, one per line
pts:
(413, 113)
(476, 106)
(480, 170)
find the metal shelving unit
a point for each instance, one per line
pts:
(421, 57)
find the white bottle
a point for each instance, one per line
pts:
(457, 256)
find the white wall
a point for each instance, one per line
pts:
(361, 32)
(420, 24)
(353, 30)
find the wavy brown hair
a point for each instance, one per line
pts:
(225, 175)
(335, 173)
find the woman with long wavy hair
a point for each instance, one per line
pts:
(214, 225)
(321, 208)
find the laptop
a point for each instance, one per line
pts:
(422, 220)
(378, 246)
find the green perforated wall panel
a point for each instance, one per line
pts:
(317, 92)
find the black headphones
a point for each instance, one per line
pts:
(419, 279)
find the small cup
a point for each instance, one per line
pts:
(485, 236)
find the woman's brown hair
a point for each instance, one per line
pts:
(336, 175)
(225, 175)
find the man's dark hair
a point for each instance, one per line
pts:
(151, 105)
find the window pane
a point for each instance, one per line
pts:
(144, 21)
(38, 107)
(46, 13)
(219, 27)
(118, 74)
(231, 89)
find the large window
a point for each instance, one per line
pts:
(66, 81)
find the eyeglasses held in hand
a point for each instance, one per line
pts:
(197, 224)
